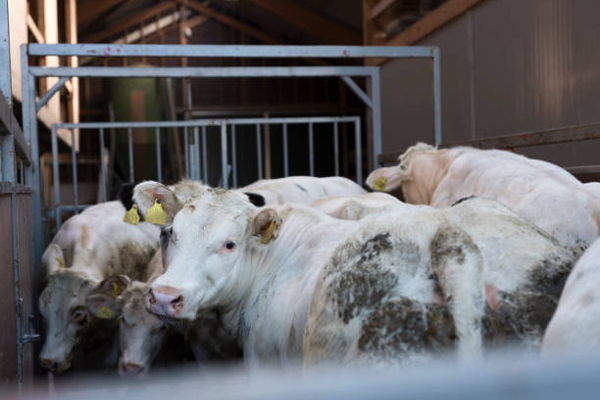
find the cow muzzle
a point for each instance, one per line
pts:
(131, 369)
(165, 300)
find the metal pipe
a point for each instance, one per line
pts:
(311, 150)
(224, 174)
(186, 153)
(259, 151)
(204, 157)
(158, 154)
(336, 149)
(74, 163)
(286, 166)
(437, 97)
(358, 148)
(55, 175)
(376, 97)
(102, 169)
(197, 151)
(57, 86)
(358, 91)
(234, 156)
(130, 143)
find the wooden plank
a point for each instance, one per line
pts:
(326, 29)
(136, 19)
(380, 7)
(232, 22)
(33, 28)
(71, 37)
(17, 20)
(88, 10)
(513, 141)
(51, 35)
(428, 24)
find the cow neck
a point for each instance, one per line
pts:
(427, 171)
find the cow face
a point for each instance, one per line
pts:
(211, 239)
(141, 333)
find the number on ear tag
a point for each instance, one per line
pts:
(156, 214)
(379, 184)
(132, 216)
(104, 312)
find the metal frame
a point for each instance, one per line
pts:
(30, 73)
(193, 167)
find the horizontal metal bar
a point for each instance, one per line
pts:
(206, 122)
(200, 72)
(57, 86)
(262, 51)
(359, 92)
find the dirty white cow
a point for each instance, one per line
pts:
(524, 269)
(541, 192)
(290, 281)
(575, 327)
(94, 251)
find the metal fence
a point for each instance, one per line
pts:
(196, 150)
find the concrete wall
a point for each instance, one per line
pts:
(507, 66)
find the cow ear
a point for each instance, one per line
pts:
(53, 259)
(266, 225)
(257, 199)
(104, 306)
(113, 286)
(387, 179)
(157, 203)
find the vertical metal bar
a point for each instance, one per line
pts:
(204, 157)
(376, 98)
(259, 151)
(358, 151)
(102, 167)
(224, 174)
(234, 156)
(336, 148)
(311, 150)
(5, 78)
(437, 98)
(186, 152)
(56, 178)
(21, 172)
(74, 163)
(286, 161)
(130, 143)
(158, 154)
(197, 151)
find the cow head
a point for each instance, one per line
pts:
(210, 239)
(63, 307)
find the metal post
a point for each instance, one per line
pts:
(437, 97)
(186, 152)
(204, 157)
(74, 163)
(311, 150)
(234, 156)
(197, 153)
(358, 147)
(102, 168)
(130, 143)
(259, 151)
(376, 98)
(56, 178)
(336, 149)
(224, 174)
(158, 154)
(286, 167)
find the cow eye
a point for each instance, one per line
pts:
(229, 245)
(78, 315)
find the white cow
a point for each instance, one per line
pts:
(541, 192)
(290, 281)
(93, 251)
(575, 327)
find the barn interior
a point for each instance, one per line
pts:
(509, 74)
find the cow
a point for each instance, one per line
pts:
(94, 251)
(291, 281)
(575, 327)
(540, 192)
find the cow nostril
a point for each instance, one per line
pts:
(132, 369)
(151, 298)
(177, 302)
(49, 364)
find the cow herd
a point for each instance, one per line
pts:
(318, 271)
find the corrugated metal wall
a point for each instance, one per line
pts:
(508, 66)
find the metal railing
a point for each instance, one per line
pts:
(196, 150)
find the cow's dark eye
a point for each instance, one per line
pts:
(229, 245)
(165, 236)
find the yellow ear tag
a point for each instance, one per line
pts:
(132, 217)
(116, 289)
(104, 312)
(379, 184)
(60, 262)
(156, 214)
(268, 234)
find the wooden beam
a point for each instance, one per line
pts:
(88, 10)
(136, 19)
(232, 22)
(71, 37)
(51, 36)
(327, 30)
(37, 34)
(380, 7)
(428, 24)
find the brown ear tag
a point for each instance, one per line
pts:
(156, 214)
(132, 216)
(379, 184)
(104, 312)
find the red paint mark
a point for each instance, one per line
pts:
(108, 48)
(93, 51)
(118, 50)
(345, 53)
